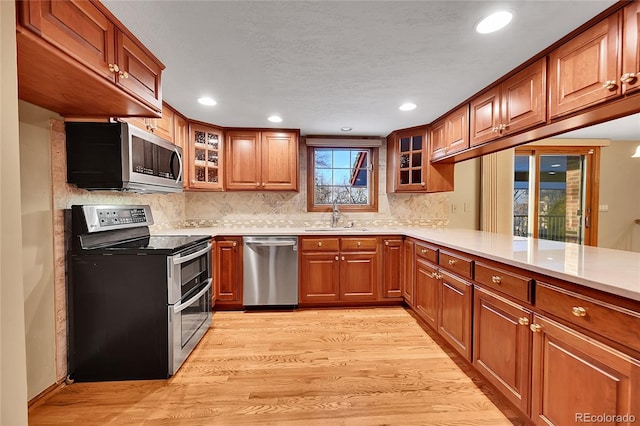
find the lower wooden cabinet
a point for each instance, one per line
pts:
(408, 275)
(427, 295)
(392, 252)
(575, 376)
(350, 274)
(502, 345)
(454, 319)
(228, 270)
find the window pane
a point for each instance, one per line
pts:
(404, 161)
(416, 160)
(342, 195)
(341, 177)
(417, 143)
(323, 177)
(404, 177)
(404, 144)
(521, 196)
(416, 176)
(341, 158)
(323, 158)
(323, 195)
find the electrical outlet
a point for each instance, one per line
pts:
(453, 208)
(604, 207)
(467, 207)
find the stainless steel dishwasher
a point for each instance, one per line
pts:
(270, 271)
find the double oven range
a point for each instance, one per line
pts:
(137, 304)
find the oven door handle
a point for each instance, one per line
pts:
(179, 307)
(181, 259)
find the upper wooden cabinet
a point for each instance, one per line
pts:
(162, 126)
(408, 166)
(75, 59)
(204, 161)
(450, 134)
(181, 133)
(514, 105)
(585, 70)
(262, 160)
(630, 77)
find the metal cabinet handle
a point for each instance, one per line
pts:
(342, 257)
(523, 321)
(182, 259)
(114, 68)
(423, 251)
(320, 245)
(579, 311)
(235, 243)
(423, 184)
(629, 77)
(496, 279)
(536, 328)
(123, 74)
(609, 85)
(337, 258)
(386, 243)
(358, 243)
(452, 262)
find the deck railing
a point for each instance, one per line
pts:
(551, 226)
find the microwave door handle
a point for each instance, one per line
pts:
(181, 259)
(179, 307)
(179, 162)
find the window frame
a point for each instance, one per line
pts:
(373, 184)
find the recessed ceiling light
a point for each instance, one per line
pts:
(494, 22)
(205, 100)
(275, 119)
(346, 129)
(407, 107)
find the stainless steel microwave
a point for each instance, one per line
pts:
(122, 157)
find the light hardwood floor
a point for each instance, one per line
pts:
(371, 366)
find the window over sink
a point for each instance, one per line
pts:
(346, 175)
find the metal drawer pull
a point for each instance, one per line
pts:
(579, 311)
(609, 84)
(182, 259)
(523, 321)
(319, 243)
(452, 262)
(179, 307)
(536, 328)
(423, 251)
(337, 258)
(342, 258)
(386, 243)
(496, 279)
(629, 77)
(358, 243)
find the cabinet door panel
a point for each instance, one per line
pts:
(437, 140)
(457, 130)
(502, 345)
(485, 117)
(358, 276)
(631, 47)
(163, 126)
(77, 28)
(205, 160)
(143, 80)
(574, 375)
(408, 283)
(243, 160)
(392, 268)
(579, 69)
(454, 320)
(524, 98)
(228, 255)
(279, 161)
(319, 277)
(427, 292)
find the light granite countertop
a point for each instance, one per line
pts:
(612, 271)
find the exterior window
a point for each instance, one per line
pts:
(344, 175)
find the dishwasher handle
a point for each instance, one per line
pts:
(273, 243)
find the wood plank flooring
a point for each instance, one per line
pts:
(371, 366)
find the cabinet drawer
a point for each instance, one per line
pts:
(611, 321)
(358, 244)
(454, 263)
(319, 244)
(509, 283)
(427, 252)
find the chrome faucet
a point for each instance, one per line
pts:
(335, 214)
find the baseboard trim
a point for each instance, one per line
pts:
(44, 396)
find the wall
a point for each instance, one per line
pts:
(255, 209)
(465, 200)
(37, 246)
(13, 374)
(620, 191)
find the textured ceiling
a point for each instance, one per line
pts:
(323, 65)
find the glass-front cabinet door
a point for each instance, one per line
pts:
(205, 157)
(409, 150)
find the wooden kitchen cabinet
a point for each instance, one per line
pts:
(516, 104)
(630, 77)
(408, 165)
(181, 136)
(575, 375)
(392, 253)
(162, 127)
(502, 345)
(204, 160)
(74, 58)
(585, 70)
(261, 160)
(454, 319)
(427, 293)
(228, 270)
(331, 275)
(450, 134)
(408, 275)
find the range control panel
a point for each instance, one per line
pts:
(102, 218)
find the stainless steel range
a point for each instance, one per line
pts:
(138, 304)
